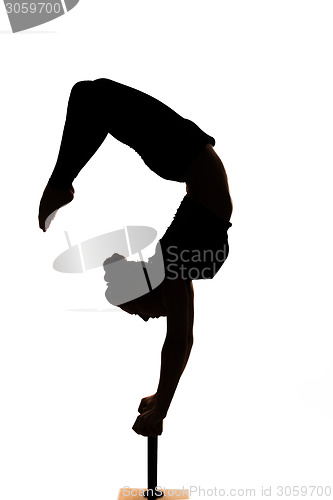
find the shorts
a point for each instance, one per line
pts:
(195, 245)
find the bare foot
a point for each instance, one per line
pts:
(51, 201)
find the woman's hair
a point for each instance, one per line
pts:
(127, 279)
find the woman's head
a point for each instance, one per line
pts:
(128, 288)
(147, 306)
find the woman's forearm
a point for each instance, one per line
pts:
(188, 352)
(173, 361)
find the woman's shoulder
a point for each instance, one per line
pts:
(177, 296)
(177, 293)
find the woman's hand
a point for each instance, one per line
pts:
(147, 403)
(149, 423)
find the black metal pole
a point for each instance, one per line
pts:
(152, 463)
(152, 469)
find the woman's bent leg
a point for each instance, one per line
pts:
(84, 132)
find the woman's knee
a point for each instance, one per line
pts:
(103, 86)
(82, 89)
(102, 81)
(91, 87)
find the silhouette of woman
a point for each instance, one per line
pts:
(196, 243)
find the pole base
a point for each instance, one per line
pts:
(139, 494)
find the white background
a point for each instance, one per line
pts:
(254, 405)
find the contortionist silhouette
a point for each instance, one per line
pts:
(196, 243)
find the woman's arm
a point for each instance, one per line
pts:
(190, 293)
(178, 301)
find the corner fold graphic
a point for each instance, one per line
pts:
(24, 15)
(70, 4)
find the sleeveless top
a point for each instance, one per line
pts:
(195, 245)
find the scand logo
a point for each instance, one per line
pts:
(24, 15)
